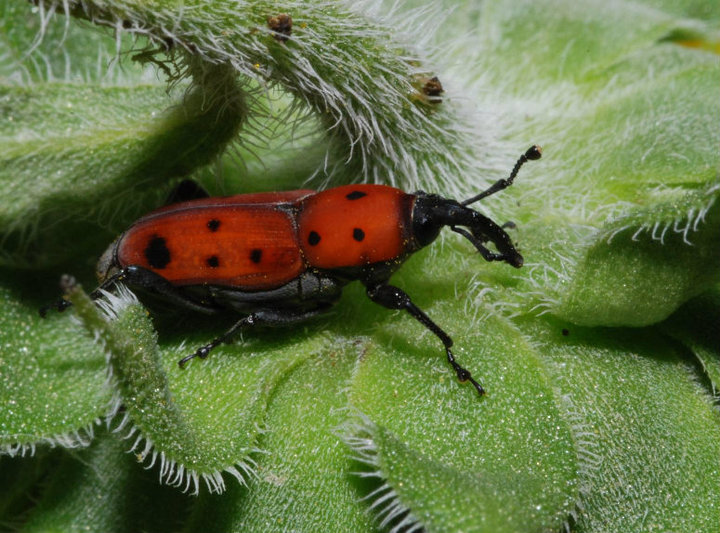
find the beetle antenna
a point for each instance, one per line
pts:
(533, 153)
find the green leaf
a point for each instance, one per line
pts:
(665, 234)
(52, 377)
(186, 428)
(39, 47)
(697, 325)
(304, 457)
(53, 167)
(102, 488)
(646, 429)
(626, 204)
(636, 279)
(505, 462)
(356, 420)
(379, 125)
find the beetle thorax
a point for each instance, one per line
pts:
(355, 225)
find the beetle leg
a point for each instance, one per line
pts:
(262, 317)
(395, 298)
(59, 305)
(67, 282)
(140, 277)
(147, 279)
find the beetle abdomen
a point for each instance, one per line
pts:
(253, 247)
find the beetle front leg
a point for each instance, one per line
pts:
(395, 298)
(262, 317)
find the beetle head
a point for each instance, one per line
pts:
(426, 225)
(431, 212)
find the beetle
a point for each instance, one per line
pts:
(282, 257)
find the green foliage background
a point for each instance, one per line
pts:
(601, 356)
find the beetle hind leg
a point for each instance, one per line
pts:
(67, 282)
(395, 298)
(143, 278)
(204, 351)
(58, 305)
(262, 317)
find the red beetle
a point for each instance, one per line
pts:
(281, 258)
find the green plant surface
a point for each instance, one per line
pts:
(600, 356)
(101, 488)
(53, 378)
(307, 456)
(511, 467)
(696, 326)
(629, 398)
(49, 150)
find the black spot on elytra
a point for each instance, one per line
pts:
(213, 224)
(213, 261)
(313, 238)
(255, 255)
(355, 195)
(358, 234)
(157, 253)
